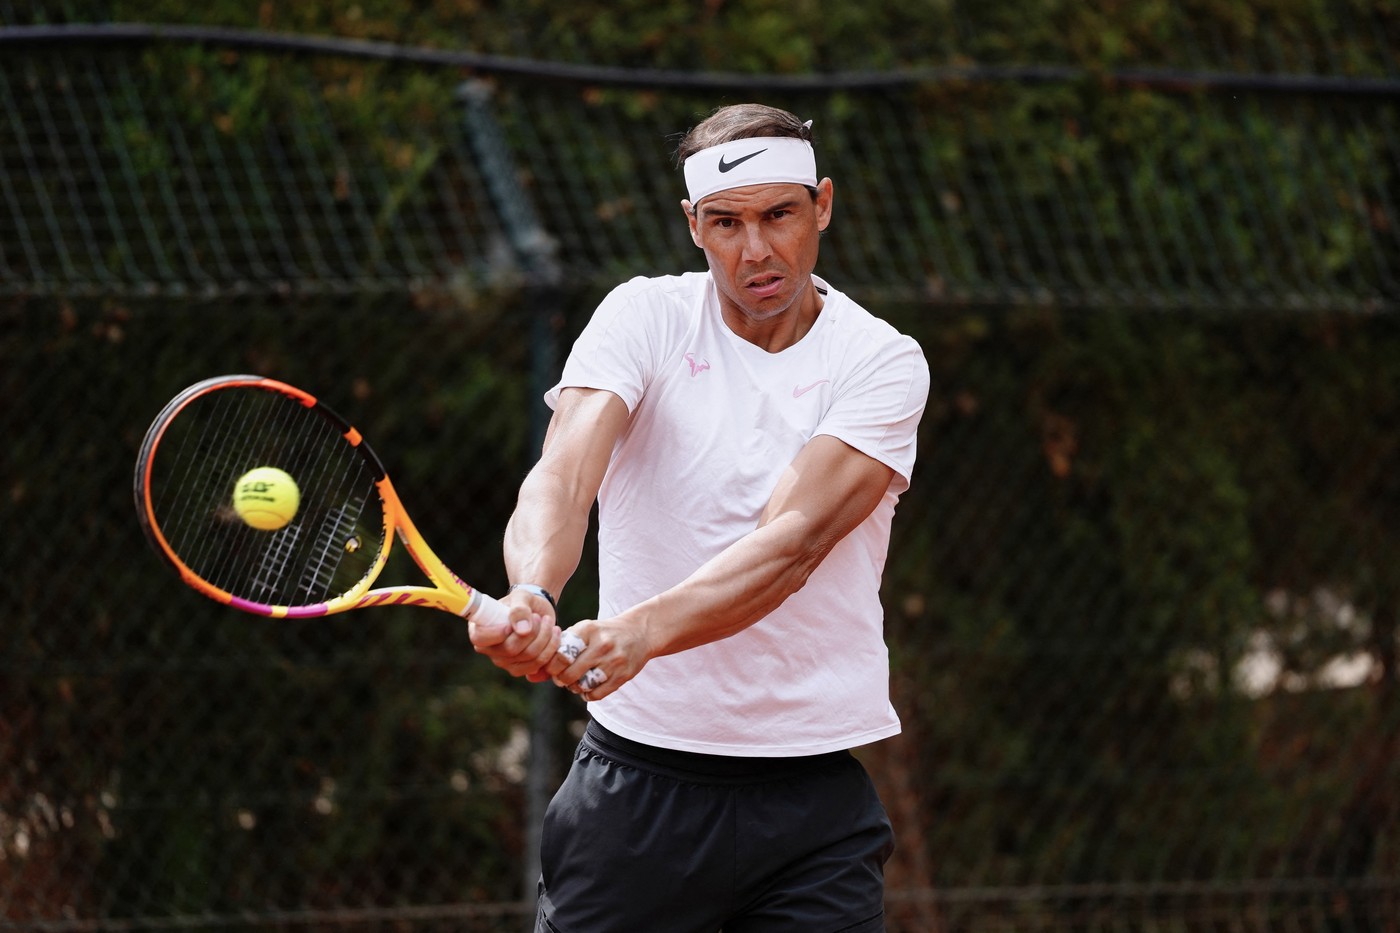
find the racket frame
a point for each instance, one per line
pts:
(450, 593)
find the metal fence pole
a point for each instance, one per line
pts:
(534, 249)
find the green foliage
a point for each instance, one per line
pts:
(784, 37)
(1115, 505)
(214, 744)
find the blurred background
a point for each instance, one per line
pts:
(1142, 598)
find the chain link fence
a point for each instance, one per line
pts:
(1142, 596)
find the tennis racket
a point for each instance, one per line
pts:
(344, 516)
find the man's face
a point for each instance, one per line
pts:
(761, 243)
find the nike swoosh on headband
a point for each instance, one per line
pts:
(729, 166)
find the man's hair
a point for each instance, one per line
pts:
(740, 121)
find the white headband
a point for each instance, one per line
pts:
(761, 160)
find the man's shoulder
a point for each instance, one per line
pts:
(854, 322)
(654, 304)
(683, 287)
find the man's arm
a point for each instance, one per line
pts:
(545, 536)
(826, 491)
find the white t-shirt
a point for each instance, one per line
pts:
(714, 422)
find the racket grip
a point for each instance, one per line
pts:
(570, 645)
(487, 611)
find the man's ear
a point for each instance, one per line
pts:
(826, 196)
(692, 219)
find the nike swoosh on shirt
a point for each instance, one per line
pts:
(727, 166)
(799, 391)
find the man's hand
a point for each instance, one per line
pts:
(528, 645)
(616, 647)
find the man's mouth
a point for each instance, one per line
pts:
(765, 286)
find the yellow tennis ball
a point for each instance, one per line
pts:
(266, 498)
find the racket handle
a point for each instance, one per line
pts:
(569, 646)
(487, 611)
(491, 612)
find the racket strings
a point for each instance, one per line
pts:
(233, 416)
(195, 464)
(273, 564)
(234, 413)
(333, 542)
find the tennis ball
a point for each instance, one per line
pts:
(266, 498)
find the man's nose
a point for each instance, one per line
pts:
(756, 245)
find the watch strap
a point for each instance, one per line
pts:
(539, 591)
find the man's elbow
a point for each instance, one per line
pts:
(804, 562)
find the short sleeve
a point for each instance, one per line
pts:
(877, 408)
(615, 349)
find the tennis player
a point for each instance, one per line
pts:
(746, 433)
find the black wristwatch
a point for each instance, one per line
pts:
(537, 590)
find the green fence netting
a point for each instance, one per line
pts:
(257, 172)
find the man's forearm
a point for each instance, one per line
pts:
(545, 535)
(829, 490)
(733, 590)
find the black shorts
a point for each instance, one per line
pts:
(648, 840)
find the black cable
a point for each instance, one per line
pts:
(1159, 79)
